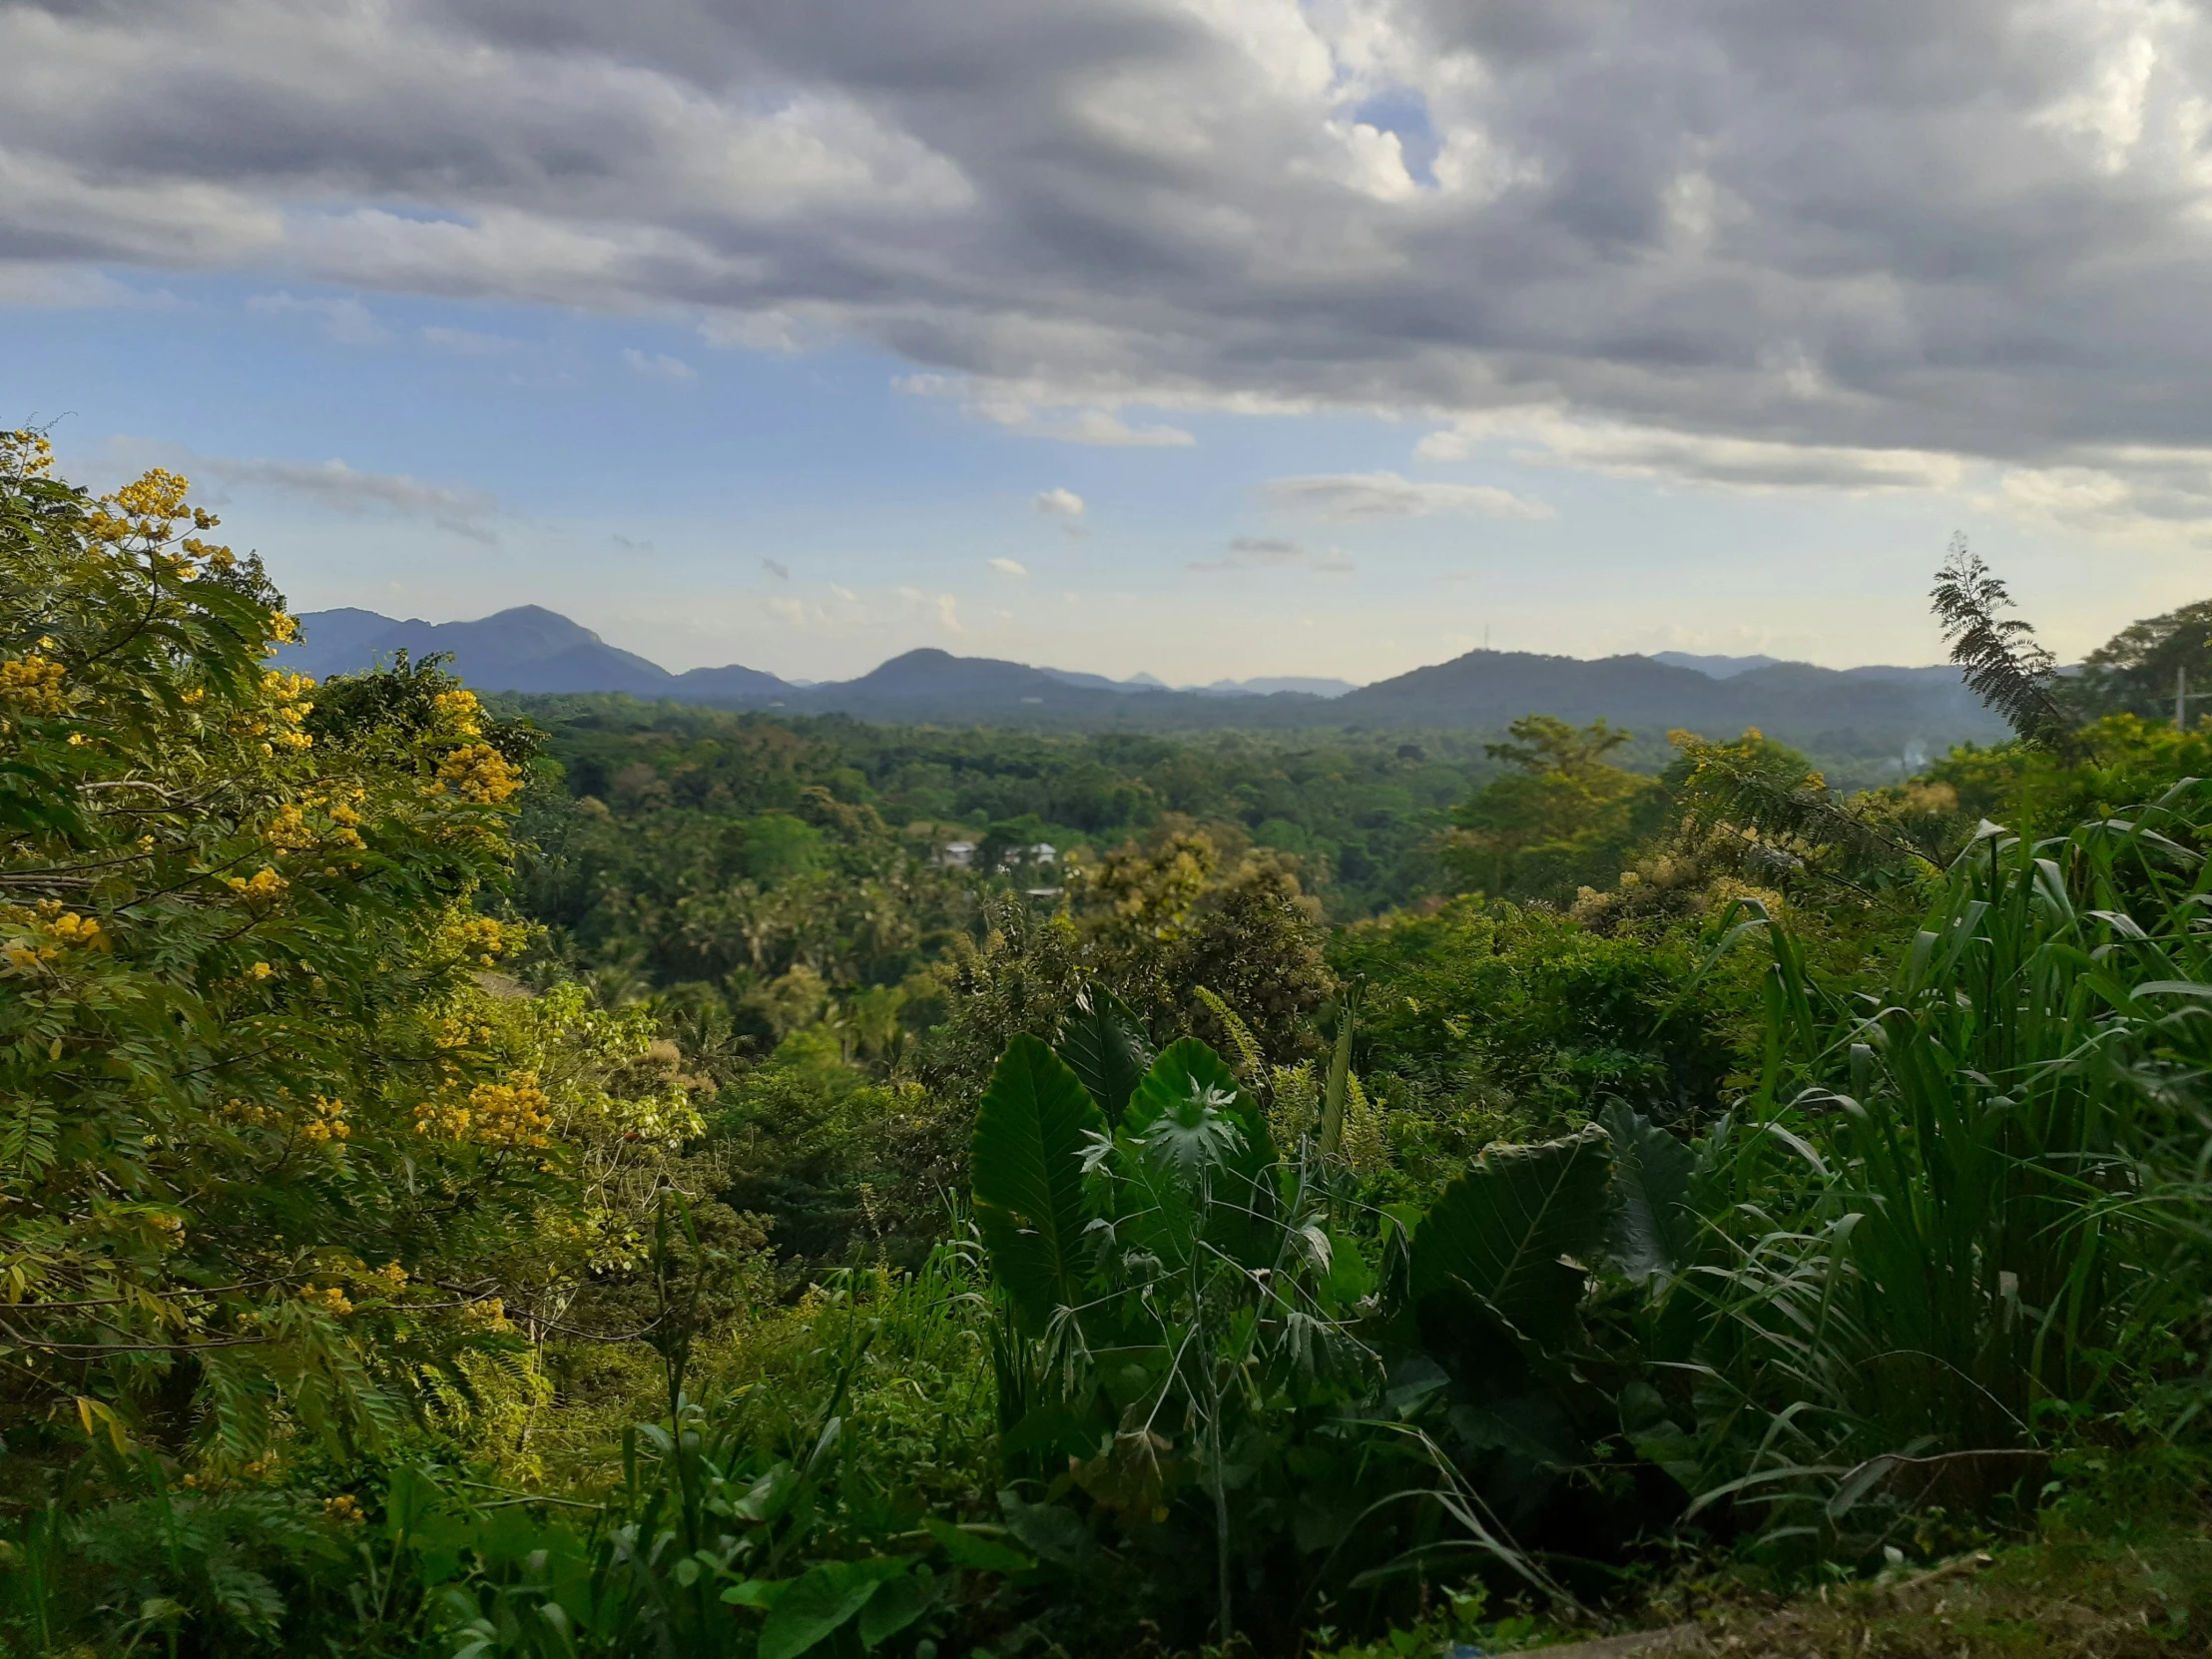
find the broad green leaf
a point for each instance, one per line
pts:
(1105, 1046)
(965, 1547)
(1504, 1227)
(1653, 1229)
(892, 1608)
(822, 1600)
(1027, 1164)
(1186, 1118)
(1183, 1067)
(1052, 1531)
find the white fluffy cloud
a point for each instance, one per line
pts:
(1060, 503)
(1857, 247)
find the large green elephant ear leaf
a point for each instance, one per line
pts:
(1238, 1218)
(1511, 1228)
(1182, 1067)
(1654, 1231)
(1103, 1043)
(1026, 1162)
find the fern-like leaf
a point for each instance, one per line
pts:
(2012, 674)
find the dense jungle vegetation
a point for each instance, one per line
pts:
(575, 1177)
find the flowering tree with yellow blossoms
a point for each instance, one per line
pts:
(254, 1109)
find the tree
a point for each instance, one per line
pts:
(1562, 822)
(252, 1106)
(2141, 668)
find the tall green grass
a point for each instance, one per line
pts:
(1966, 1235)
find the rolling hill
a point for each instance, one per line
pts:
(1872, 711)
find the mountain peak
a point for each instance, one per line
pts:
(528, 648)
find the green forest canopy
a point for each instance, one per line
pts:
(581, 1177)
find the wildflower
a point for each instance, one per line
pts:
(33, 684)
(326, 1122)
(265, 885)
(344, 1509)
(480, 772)
(288, 830)
(461, 711)
(479, 936)
(514, 1113)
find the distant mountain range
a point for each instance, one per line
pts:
(1870, 712)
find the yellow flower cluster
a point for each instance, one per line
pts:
(290, 830)
(323, 1121)
(50, 931)
(145, 507)
(480, 772)
(326, 1122)
(33, 684)
(516, 1113)
(25, 453)
(245, 1111)
(263, 887)
(345, 1509)
(491, 1314)
(480, 937)
(215, 557)
(327, 1298)
(289, 708)
(458, 712)
(460, 1034)
(262, 1467)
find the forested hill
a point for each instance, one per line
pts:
(1851, 710)
(1863, 712)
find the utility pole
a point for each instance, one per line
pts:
(2181, 697)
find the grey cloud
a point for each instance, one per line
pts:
(340, 488)
(1369, 496)
(1971, 230)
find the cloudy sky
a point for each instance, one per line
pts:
(1196, 337)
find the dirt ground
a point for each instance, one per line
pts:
(2100, 1600)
